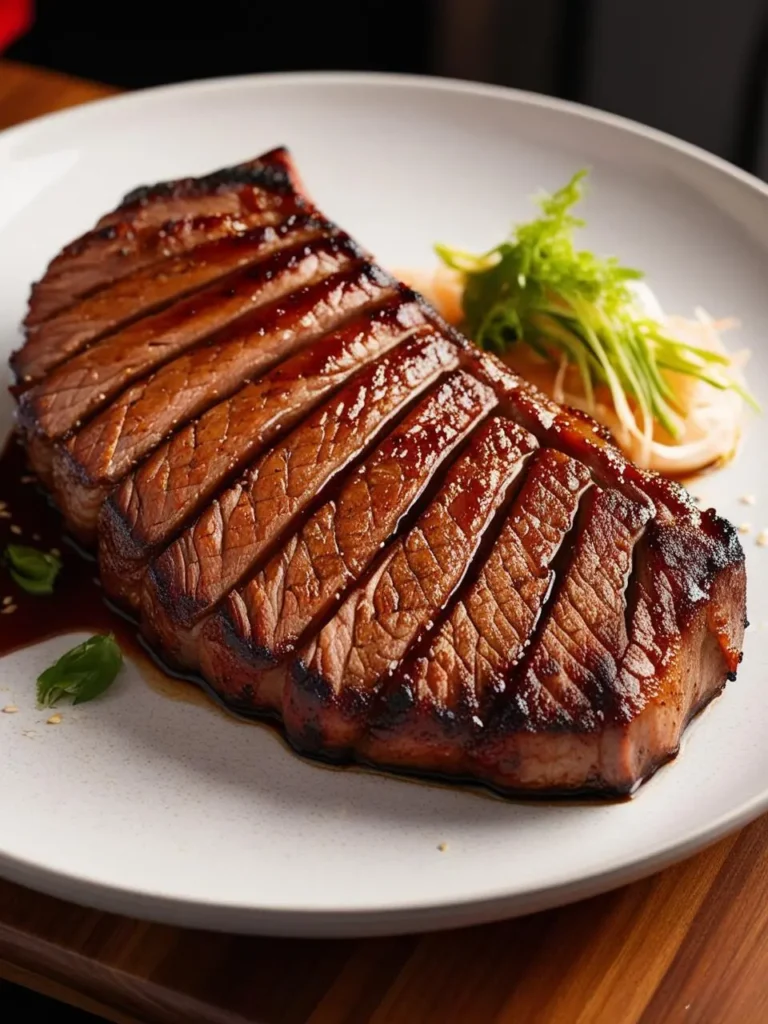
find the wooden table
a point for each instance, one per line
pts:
(690, 944)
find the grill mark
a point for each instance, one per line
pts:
(337, 674)
(86, 382)
(149, 290)
(104, 256)
(579, 436)
(403, 679)
(137, 521)
(188, 580)
(336, 545)
(264, 190)
(541, 692)
(271, 172)
(98, 456)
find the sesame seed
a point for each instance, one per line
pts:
(8, 610)
(16, 529)
(36, 536)
(53, 720)
(29, 733)
(3, 506)
(4, 514)
(762, 539)
(55, 552)
(748, 499)
(442, 847)
(29, 479)
(745, 528)
(10, 709)
(7, 600)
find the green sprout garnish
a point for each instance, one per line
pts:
(536, 288)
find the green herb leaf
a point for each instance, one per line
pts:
(83, 673)
(34, 571)
(537, 289)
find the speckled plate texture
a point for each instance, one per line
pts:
(169, 809)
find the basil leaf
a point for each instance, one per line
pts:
(83, 673)
(33, 570)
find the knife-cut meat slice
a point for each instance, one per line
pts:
(339, 671)
(150, 289)
(98, 456)
(175, 217)
(261, 622)
(257, 184)
(88, 381)
(152, 504)
(559, 695)
(212, 556)
(433, 708)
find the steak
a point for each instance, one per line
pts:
(338, 511)
(155, 222)
(99, 455)
(266, 618)
(150, 289)
(154, 502)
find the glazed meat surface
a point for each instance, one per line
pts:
(317, 495)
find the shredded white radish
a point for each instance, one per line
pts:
(712, 418)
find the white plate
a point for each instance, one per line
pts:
(170, 810)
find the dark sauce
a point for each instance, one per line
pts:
(78, 605)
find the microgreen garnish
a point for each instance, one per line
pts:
(536, 288)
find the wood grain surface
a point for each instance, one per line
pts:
(689, 944)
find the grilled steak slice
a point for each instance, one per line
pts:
(561, 690)
(186, 582)
(339, 671)
(306, 497)
(261, 622)
(683, 645)
(84, 384)
(152, 504)
(171, 221)
(148, 290)
(435, 705)
(242, 188)
(99, 455)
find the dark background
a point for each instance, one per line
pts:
(696, 68)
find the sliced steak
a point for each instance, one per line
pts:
(430, 711)
(225, 543)
(106, 255)
(539, 619)
(261, 622)
(558, 697)
(683, 645)
(152, 504)
(256, 184)
(150, 289)
(154, 223)
(338, 672)
(95, 458)
(86, 383)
